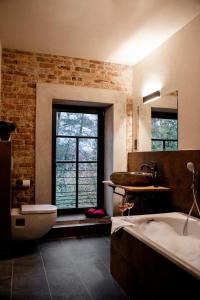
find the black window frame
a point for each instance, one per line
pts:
(100, 153)
(170, 114)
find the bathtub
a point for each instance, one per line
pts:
(164, 246)
(145, 256)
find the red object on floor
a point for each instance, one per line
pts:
(94, 213)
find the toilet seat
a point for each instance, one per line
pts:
(37, 209)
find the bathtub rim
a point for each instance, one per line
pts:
(133, 230)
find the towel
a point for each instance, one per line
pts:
(121, 222)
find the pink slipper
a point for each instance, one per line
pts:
(89, 212)
(98, 213)
(94, 213)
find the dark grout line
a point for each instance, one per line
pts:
(45, 272)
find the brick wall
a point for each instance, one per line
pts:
(20, 73)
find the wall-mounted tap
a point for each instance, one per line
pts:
(152, 167)
(194, 187)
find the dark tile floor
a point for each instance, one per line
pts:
(76, 268)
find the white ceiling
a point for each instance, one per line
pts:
(119, 31)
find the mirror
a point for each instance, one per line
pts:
(157, 124)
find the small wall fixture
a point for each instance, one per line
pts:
(151, 97)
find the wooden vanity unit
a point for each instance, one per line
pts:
(173, 173)
(138, 189)
(5, 190)
(147, 199)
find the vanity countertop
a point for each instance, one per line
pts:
(149, 188)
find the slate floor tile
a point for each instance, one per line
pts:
(5, 267)
(77, 268)
(5, 288)
(65, 284)
(31, 294)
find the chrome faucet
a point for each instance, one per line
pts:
(152, 168)
(194, 187)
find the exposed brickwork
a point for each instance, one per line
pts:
(20, 73)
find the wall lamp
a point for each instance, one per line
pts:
(151, 97)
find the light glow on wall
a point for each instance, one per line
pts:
(151, 87)
(139, 45)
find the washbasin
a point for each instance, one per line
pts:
(132, 178)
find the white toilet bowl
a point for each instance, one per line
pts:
(32, 221)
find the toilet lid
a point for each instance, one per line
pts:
(37, 209)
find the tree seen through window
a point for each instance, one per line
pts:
(77, 159)
(164, 131)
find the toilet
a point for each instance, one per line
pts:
(31, 222)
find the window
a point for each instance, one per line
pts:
(77, 157)
(164, 130)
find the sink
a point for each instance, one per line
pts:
(132, 178)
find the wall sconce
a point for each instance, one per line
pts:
(151, 97)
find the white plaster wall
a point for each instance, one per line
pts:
(175, 66)
(115, 133)
(144, 128)
(108, 157)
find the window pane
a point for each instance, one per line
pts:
(164, 129)
(87, 188)
(171, 145)
(66, 185)
(76, 172)
(76, 124)
(157, 146)
(65, 149)
(87, 149)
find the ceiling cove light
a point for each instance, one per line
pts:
(151, 97)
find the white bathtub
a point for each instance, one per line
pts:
(184, 251)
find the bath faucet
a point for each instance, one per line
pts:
(190, 167)
(152, 168)
(146, 166)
